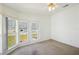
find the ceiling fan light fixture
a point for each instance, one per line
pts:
(52, 6)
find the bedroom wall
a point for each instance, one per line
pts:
(44, 22)
(0, 34)
(65, 26)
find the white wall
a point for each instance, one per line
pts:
(65, 26)
(0, 30)
(44, 21)
(0, 34)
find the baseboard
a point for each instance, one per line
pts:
(30, 43)
(20, 45)
(65, 43)
(0, 52)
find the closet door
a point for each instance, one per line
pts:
(11, 32)
(23, 31)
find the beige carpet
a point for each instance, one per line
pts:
(49, 47)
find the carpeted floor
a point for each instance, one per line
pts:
(49, 47)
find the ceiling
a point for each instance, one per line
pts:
(34, 8)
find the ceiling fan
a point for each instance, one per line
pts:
(52, 6)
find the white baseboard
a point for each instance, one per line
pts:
(0, 52)
(23, 44)
(29, 43)
(65, 43)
